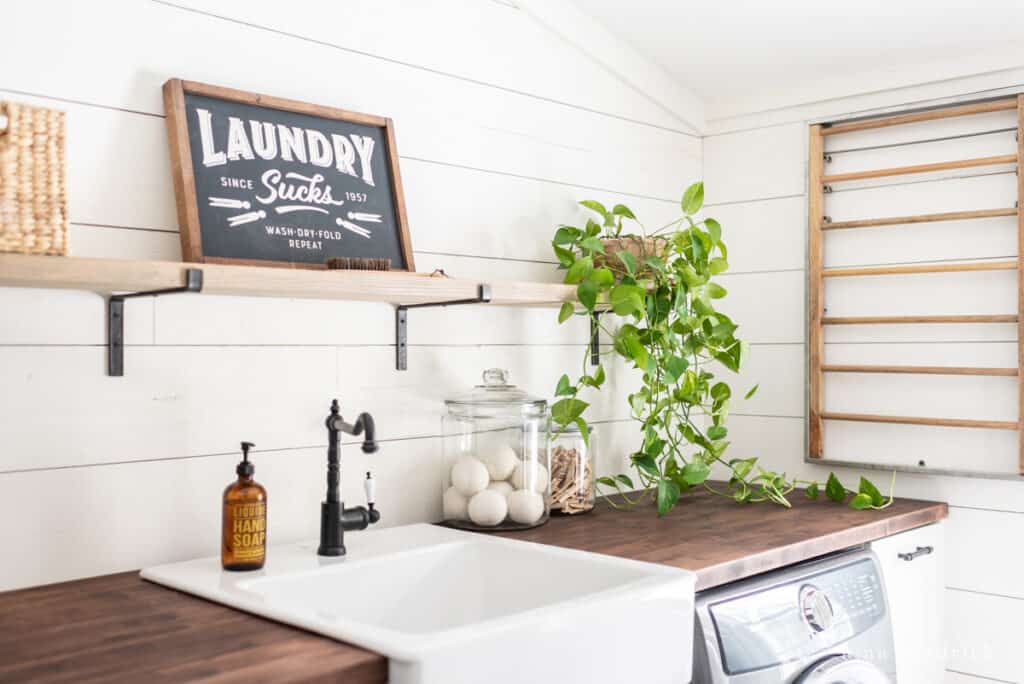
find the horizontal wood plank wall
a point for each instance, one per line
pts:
(497, 145)
(981, 577)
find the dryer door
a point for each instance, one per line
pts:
(843, 669)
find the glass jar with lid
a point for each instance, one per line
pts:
(572, 470)
(496, 457)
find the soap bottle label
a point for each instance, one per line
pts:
(248, 530)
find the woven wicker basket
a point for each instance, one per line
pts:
(33, 198)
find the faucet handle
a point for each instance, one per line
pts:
(370, 485)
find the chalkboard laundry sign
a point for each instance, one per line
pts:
(274, 182)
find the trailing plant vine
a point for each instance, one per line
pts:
(660, 285)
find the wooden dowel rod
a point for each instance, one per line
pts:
(920, 268)
(932, 115)
(920, 370)
(920, 168)
(920, 218)
(871, 320)
(915, 420)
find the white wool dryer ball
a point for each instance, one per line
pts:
(488, 508)
(536, 476)
(454, 505)
(469, 476)
(500, 462)
(525, 507)
(502, 487)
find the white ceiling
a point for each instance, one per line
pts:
(732, 53)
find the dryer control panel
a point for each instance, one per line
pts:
(795, 619)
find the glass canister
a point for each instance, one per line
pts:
(496, 457)
(572, 471)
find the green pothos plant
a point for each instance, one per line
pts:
(660, 287)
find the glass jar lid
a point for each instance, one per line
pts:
(495, 393)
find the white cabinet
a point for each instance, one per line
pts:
(912, 563)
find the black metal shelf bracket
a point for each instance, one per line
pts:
(483, 295)
(595, 339)
(115, 318)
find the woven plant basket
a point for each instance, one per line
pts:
(636, 246)
(33, 198)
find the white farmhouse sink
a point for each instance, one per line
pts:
(450, 606)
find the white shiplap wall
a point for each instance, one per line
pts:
(502, 125)
(755, 170)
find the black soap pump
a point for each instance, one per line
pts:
(244, 529)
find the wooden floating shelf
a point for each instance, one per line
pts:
(884, 320)
(922, 268)
(920, 168)
(395, 287)
(920, 370)
(916, 420)
(930, 115)
(919, 218)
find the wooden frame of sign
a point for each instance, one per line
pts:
(294, 183)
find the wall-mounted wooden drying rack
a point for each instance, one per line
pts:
(820, 185)
(115, 277)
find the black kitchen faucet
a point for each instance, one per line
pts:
(334, 517)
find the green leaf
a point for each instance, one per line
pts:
(654, 447)
(636, 351)
(655, 264)
(675, 366)
(695, 473)
(693, 198)
(599, 377)
(596, 206)
(720, 391)
(580, 269)
(714, 229)
(861, 502)
(593, 244)
(812, 491)
(624, 479)
(718, 265)
(834, 489)
(566, 235)
(565, 256)
(716, 291)
(668, 495)
(751, 392)
(587, 292)
(603, 277)
(564, 387)
(624, 211)
(628, 261)
(566, 312)
(584, 431)
(869, 488)
(717, 432)
(647, 464)
(627, 299)
(741, 467)
(565, 411)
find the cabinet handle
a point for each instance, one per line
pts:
(919, 551)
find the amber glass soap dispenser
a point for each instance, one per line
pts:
(244, 532)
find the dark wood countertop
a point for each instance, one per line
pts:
(119, 628)
(723, 541)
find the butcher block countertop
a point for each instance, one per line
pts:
(119, 628)
(722, 541)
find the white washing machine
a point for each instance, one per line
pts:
(820, 622)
